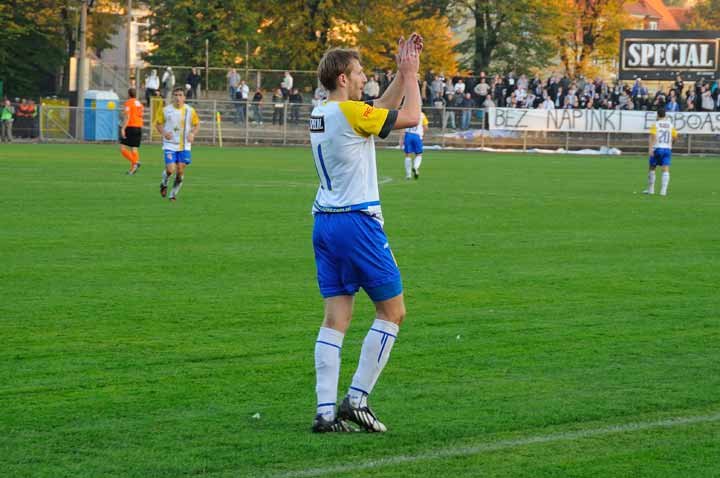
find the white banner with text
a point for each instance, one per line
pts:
(599, 121)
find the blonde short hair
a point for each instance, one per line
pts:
(333, 63)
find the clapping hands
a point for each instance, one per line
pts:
(408, 55)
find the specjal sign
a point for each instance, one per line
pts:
(662, 55)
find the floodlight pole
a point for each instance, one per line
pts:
(129, 42)
(82, 66)
(207, 66)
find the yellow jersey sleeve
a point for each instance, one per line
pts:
(194, 118)
(160, 116)
(424, 119)
(653, 130)
(366, 120)
(674, 133)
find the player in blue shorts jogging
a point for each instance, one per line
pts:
(351, 249)
(178, 124)
(412, 141)
(662, 134)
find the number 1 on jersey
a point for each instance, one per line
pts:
(320, 166)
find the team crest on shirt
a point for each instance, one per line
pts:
(317, 124)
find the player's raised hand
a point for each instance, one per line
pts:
(408, 56)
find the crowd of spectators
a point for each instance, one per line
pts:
(18, 119)
(454, 101)
(558, 92)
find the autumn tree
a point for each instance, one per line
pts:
(382, 26)
(587, 30)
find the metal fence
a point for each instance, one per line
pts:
(267, 123)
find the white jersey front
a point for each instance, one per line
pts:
(664, 133)
(341, 134)
(419, 129)
(179, 122)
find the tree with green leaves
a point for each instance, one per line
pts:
(705, 15)
(32, 50)
(295, 34)
(181, 27)
(506, 34)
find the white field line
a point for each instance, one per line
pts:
(501, 445)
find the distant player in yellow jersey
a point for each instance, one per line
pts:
(131, 131)
(178, 124)
(660, 148)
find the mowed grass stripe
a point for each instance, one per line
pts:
(140, 338)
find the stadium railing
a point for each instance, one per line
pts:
(273, 124)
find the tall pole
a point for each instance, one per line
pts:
(207, 66)
(82, 67)
(129, 42)
(247, 61)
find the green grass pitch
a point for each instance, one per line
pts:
(560, 323)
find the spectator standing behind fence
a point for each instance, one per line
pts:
(467, 105)
(286, 85)
(242, 93)
(233, 80)
(296, 100)
(459, 87)
(448, 112)
(386, 80)
(278, 106)
(481, 91)
(371, 89)
(152, 85)
(257, 99)
(6, 118)
(168, 84)
(437, 87)
(193, 79)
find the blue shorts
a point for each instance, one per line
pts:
(413, 143)
(352, 251)
(660, 157)
(172, 157)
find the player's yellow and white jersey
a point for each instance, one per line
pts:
(179, 121)
(341, 134)
(664, 133)
(419, 129)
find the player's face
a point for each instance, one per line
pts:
(356, 81)
(178, 98)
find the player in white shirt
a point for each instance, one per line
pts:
(412, 141)
(351, 248)
(662, 134)
(178, 124)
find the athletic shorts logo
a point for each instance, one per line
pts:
(317, 124)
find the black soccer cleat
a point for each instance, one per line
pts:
(321, 425)
(416, 173)
(362, 416)
(163, 189)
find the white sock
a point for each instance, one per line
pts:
(374, 355)
(327, 369)
(165, 177)
(176, 187)
(664, 182)
(651, 181)
(417, 162)
(408, 166)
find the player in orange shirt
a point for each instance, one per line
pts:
(131, 131)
